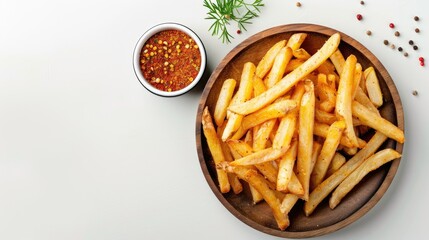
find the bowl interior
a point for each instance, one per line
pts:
(324, 220)
(145, 37)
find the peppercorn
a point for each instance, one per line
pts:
(298, 4)
(400, 49)
(422, 64)
(397, 34)
(391, 25)
(415, 47)
(359, 17)
(417, 30)
(362, 3)
(368, 33)
(238, 31)
(405, 54)
(411, 42)
(416, 18)
(385, 42)
(415, 93)
(421, 59)
(392, 46)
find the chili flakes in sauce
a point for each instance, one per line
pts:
(170, 60)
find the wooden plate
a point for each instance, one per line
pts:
(324, 220)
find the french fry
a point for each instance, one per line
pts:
(295, 41)
(356, 79)
(321, 130)
(287, 125)
(323, 189)
(344, 98)
(373, 87)
(243, 94)
(261, 185)
(337, 161)
(324, 117)
(266, 155)
(279, 66)
(268, 59)
(216, 149)
(329, 148)
(305, 138)
(363, 99)
(377, 122)
(223, 101)
(275, 110)
(287, 82)
(288, 202)
(370, 164)
(286, 164)
(300, 53)
(293, 64)
(294, 186)
(338, 60)
(262, 134)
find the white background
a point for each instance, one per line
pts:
(87, 153)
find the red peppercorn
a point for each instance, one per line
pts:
(359, 17)
(422, 64)
(391, 25)
(238, 31)
(421, 59)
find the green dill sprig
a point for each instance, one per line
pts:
(224, 11)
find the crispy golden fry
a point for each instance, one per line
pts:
(344, 98)
(243, 149)
(305, 138)
(295, 186)
(258, 86)
(267, 60)
(356, 79)
(363, 99)
(293, 64)
(275, 110)
(296, 40)
(262, 134)
(300, 53)
(317, 147)
(326, 68)
(324, 117)
(256, 196)
(286, 165)
(223, 101)
(337, 161)
(370, 164)
(243, 94)
(279, 66)
(373, 87)
(373, 120)
(266, 155)
(338, 60)
(329, 184)
(287, 82)
(287, 125)
(288, 202)
(215, 148)
(322, 129)
(261, 185)
(325, 93)
(329, 148)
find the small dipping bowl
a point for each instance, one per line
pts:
(160, 59)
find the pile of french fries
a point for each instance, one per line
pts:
(290, 127)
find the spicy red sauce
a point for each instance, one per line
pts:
(170, 60)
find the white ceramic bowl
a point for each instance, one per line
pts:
(143, 39)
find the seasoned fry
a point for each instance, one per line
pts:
(373, 120)
(287, 82)
(300, 53)
(266, 155)
(216, 149)
(279, 66)
(288, 202)
(296, 40)
(243, 94)
(323, 189)
(338, 60)
(321, 130)
(329, 148)
(261, 185)
(373, 87)
(268, 59)
(324, 117)
(344, 98)
(337, 161)
(363, 99)
(370, 164)
(356, 79)
(326, 94)
(287, 124)
(305, 138)
(275, 110)
(223, 101)
(286, 165)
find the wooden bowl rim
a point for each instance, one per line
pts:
(310, 28)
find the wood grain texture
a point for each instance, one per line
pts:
(324, 220)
